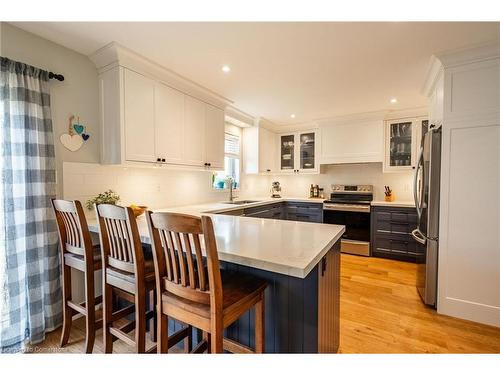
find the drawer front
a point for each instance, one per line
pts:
(239, 212)
(299, 211)
(403, 245)
(265, 207)
(394, 227)
(391, 233)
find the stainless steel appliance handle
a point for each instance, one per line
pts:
(346, 208)
(418, 236)
(415, 183)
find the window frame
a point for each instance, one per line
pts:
(230, 155)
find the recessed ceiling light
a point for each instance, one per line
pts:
(292, 115)
(394, 100)
(226, 68)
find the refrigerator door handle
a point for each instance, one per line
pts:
(415, 182)
(418, 236)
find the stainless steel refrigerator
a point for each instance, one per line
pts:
(426, 194)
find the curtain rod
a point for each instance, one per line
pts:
(59, 77)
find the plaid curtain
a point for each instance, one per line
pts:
(30, 291)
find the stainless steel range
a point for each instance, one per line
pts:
(349, 205)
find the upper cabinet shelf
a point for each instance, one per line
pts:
(146, 121)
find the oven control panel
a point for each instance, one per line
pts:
(367, 189)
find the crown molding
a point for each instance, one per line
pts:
(470, 54)
(353, 117)
(434, 71)
(407, 112)
(453, 58)
(114, 54)
(238, 116)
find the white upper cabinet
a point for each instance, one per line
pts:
(402, 139)
(267, 151)
(259, 150)
(144, 120)
(298, 152)
(352, 142)
(139, 117)
(194, 132)
(169, 120)
(214, 137)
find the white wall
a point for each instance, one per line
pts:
(78, 94)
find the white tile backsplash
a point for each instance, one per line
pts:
(356, 174)
(152, 187)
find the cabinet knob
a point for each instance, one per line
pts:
(158, 159)
(268, 170)
(163, 160)
(209, 164)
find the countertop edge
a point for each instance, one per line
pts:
(407, 204)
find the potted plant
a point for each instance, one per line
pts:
(109, 197)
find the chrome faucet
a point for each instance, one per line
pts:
(230, 181)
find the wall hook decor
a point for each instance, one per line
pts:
(76, 136)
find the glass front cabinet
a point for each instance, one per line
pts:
(298, 152)
(402, 142)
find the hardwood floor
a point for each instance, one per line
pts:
(380, 312)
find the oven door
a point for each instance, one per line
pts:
(356, 239)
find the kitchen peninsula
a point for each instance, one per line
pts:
(300, 261)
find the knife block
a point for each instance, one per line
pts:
(389, 198)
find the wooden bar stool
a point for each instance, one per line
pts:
(198, 294)
(77, 252)
(128, 274)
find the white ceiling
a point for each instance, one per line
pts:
(314, 70)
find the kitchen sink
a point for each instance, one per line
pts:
(241, 202)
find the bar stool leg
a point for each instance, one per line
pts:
(90, 307)
(67, 311)
(140, 321)
(162, 333)
(208, 337)
(217, 333)
(188, 341)
(259, 326)
(107, 315)
(154, 321)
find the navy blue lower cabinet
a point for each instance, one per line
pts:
(301, 315)
(391, 233)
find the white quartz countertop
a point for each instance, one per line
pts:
(408, 204)
(286, 247)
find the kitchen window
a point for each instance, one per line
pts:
(232, 157)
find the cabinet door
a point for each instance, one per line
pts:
(214, 139)
(307, 151)
(287, 152)
(193, 143)
(169, 123)
(400, 145)
(421, 130)
(139, 117)
(267, 147)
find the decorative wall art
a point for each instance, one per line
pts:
(76, 136)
